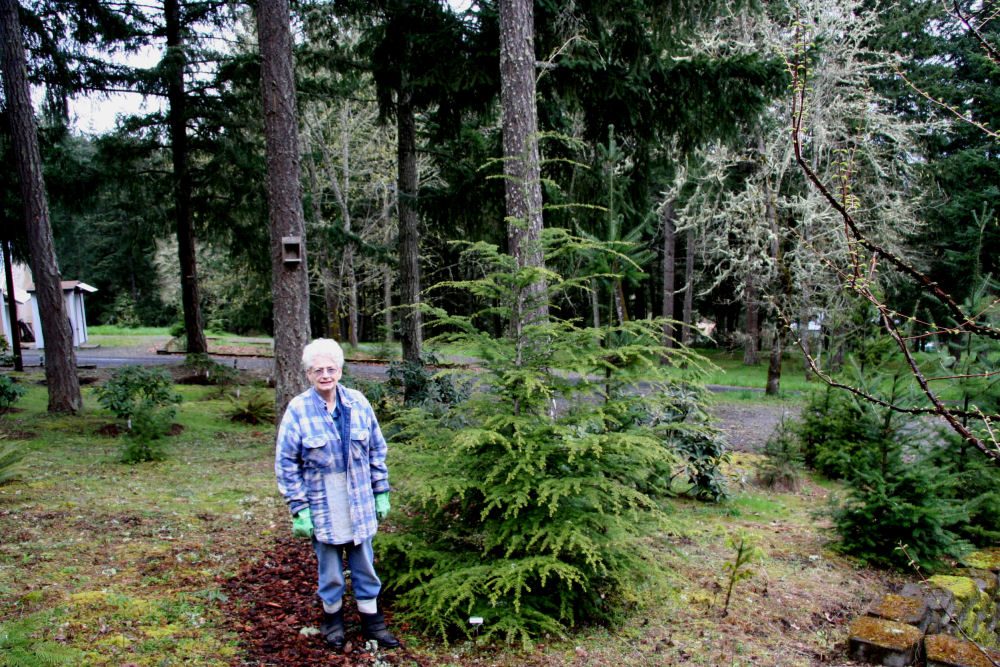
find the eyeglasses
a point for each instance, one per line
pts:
(320, 372)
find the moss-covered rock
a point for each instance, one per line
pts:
(884, 642)
(909, 610)
(948, 651)
(984, 559)
(965, 590)
(986, 580)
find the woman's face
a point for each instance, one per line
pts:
(324, 374)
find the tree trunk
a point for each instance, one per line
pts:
(290, 282)
(595, 303)
(522, 166)
(15, 331)
(803, 326)
(387, 299)
(331, 299)
(688, 287)
(784, 281)
(342, 192)
(60, 366)
(774, 364)
(669, 268)
(183, 214)
(411, 329)
(751, 355)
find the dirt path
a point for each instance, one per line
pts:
(747, 427)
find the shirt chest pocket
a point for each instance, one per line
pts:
(359, 442)
(317, 452)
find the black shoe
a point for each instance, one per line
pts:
(373, 627)
(333, 629)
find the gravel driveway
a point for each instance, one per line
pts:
(748, 427)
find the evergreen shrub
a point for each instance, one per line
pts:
(214, 373)
(144, 397)
(781, 469)
(131, 388)
(426, 384)
(527, 503)
(839, 434)
(149, 424)
(10, 393)
(911, 503)
(6, 352)
(976, 489)
(903, 476)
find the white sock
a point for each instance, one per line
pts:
(332, 608)
(368, 606)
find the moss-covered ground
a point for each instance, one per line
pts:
(103, 563)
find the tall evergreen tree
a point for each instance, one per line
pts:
(522, 164)
(290, 282)
(60, 371)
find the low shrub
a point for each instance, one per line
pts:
(424, 384)
(911, 504)
(840, 434)
(145, 439)
(213, 372)
(781, 469)
(10, 393)
(145, 399)
(131, 388)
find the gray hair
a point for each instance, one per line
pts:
(322, 347)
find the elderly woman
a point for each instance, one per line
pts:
(330, 464)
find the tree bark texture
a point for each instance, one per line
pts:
(751, 354)
(688, 287)
(60, 358)
(522, 166)
(183, 212)
(290, 282)
(784, 281)
(343, 193)
(774, 364)
(411, 320)
(669, 268)
(387, 310)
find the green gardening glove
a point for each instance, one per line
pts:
(381, 505)
(302, 524)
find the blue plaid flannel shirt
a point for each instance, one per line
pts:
(307, 443)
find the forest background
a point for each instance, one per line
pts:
(663, 128)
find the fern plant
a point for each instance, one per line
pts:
(20, 647)
(529, 499)
(253, 408)
(12, 465)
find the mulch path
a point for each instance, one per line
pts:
(273, 598)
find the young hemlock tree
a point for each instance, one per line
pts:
(527, 503)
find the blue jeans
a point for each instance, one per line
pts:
(360, 561)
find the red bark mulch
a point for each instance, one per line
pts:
(272, 599)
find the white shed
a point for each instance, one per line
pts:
(73, 291)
